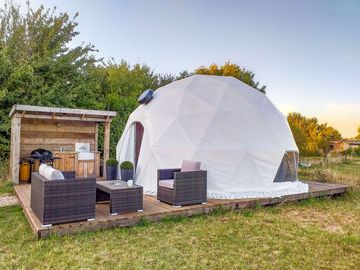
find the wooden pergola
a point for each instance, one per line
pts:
(53, 129)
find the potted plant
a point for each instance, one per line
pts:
(127, 171)
(111, 169)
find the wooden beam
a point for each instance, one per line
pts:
(96, 136)
(15, 149)
(41, 109)
(58, 117)
(54, 128)
(96, 148)
(65, 118)
(106, 145)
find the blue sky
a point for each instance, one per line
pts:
(306, 52)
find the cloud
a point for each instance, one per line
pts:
(288, 107)
(343, 116)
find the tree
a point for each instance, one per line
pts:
(38, 67)
(311, 137)
(327, 134)
(358, 135)
(229, 69)
(300, 137)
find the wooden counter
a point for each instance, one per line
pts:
(68, 161)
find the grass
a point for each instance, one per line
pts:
(350, 169)
(305, 235)
(6, 187)
(348, 173)
(311, 234)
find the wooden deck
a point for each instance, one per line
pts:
(155, 210)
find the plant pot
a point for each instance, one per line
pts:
(111, 172)
(127, 175)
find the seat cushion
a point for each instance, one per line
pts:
(168, 183)
(190, 166)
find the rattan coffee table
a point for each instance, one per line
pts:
(122, 197)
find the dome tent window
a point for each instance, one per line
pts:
(288, 167)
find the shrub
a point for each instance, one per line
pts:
(4, 169)
(357, 151)
(111, 162)
(126, 165)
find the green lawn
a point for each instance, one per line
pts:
(313, 234)
(321, 233)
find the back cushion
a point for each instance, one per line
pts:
(42, 168)
(190, 166)
(53, 174)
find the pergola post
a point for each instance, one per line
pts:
(15, 148)
(106, 144)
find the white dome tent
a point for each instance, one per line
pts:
(240, 137)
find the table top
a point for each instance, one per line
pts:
(115, 184)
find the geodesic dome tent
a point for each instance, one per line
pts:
(240, 137)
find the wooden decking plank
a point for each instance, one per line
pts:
(100, 213)
(155, 210)
(23, 199)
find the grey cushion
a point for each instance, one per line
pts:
(168, 183)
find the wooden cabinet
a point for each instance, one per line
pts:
(87, 168)
(66, 161)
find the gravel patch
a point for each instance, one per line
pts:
(8, 200)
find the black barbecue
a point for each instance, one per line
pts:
(45, 156)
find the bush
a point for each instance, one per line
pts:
(357, 151)
(4, 169)
(111, 162)
(126, 165)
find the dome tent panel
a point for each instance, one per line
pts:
(235, 131)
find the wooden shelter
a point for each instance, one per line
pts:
(58, 130)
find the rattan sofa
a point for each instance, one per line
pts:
(188, 187)
(62, 201)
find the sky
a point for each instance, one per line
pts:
(306, 52)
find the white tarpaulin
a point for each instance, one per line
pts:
(235, 131)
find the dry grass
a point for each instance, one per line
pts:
(347, 173)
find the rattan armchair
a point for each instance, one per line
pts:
(188, 187)
(62, 201)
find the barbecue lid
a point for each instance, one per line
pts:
(41, 154)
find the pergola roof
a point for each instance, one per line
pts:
(28, 111)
